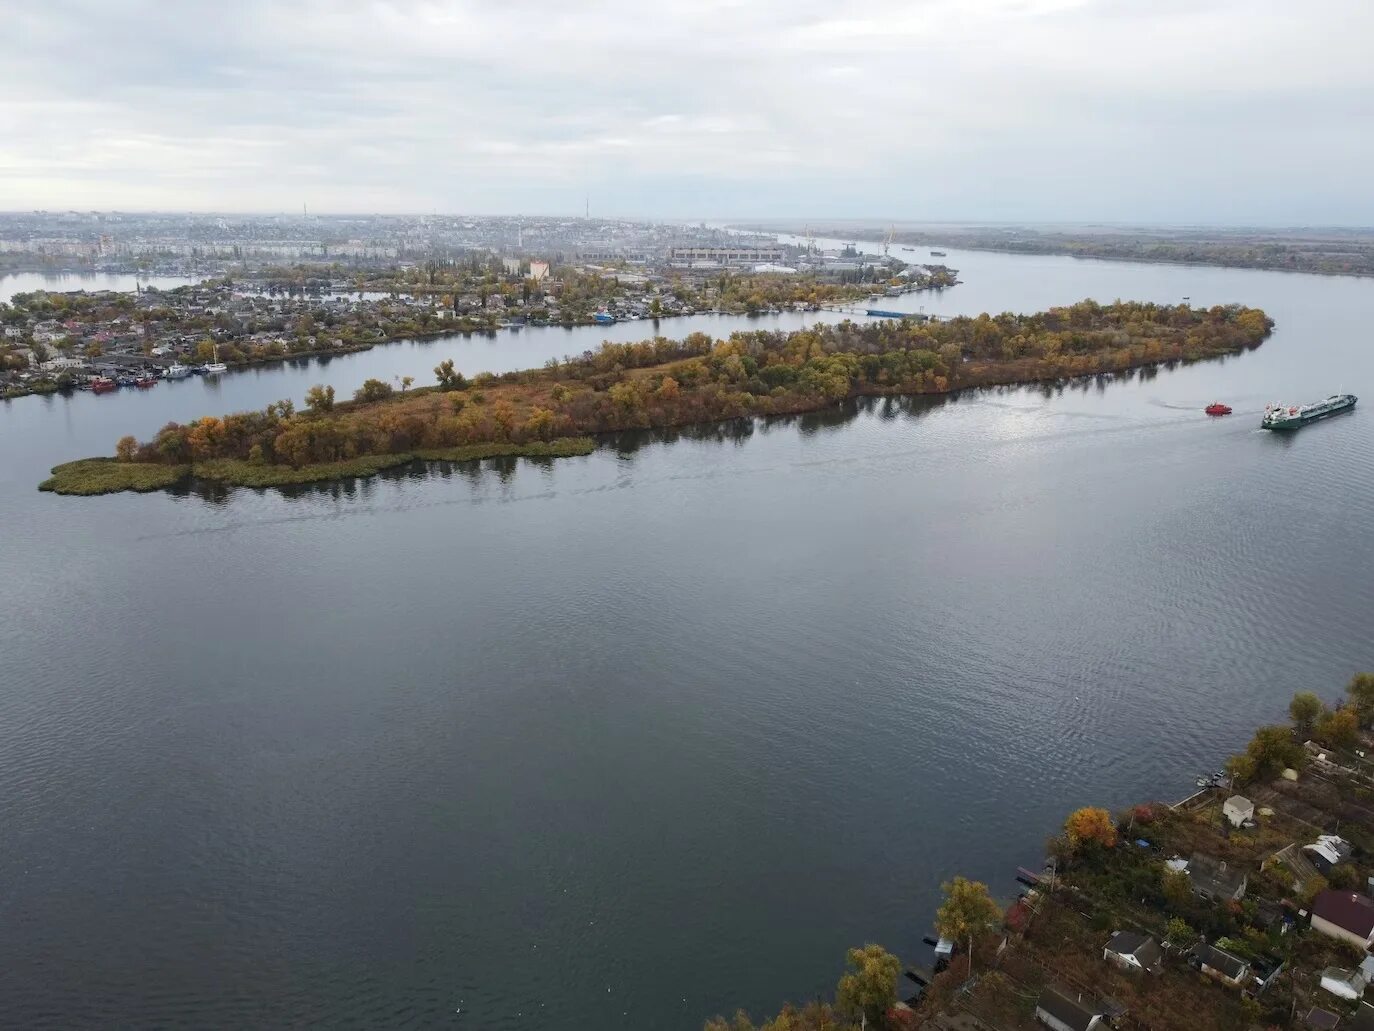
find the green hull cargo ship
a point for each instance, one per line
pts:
(1290, 417)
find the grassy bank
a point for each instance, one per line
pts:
(110, 476)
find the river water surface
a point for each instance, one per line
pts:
(630, 739)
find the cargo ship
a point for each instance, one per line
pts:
(1290, 417)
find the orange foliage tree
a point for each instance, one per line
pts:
(1090, 824)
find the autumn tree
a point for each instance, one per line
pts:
(1273, 749)
(126, 449)
(1090, 825)
(1178, 932)
(1339, 729)
(1241, 769)
(869, 988)
(968, 909)
(814, 1016)
(320, 399)
(1361, 693)
(540, 424)
(1304, 710)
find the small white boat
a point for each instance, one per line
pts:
(176, 371)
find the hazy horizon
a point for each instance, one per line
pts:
(1209, 113)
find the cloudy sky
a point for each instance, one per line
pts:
(1161, 110)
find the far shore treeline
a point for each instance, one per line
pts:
(663, 382)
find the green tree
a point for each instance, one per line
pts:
(1304, 710)
(869, 988)
(448, 377)
(1361, 692)
(1177, 889)
(320, 399)
(372, 390)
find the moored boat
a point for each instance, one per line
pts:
(144, 382)
(215, 367)
(1290, 417)
(176, 371)
(103, 385)
(1217, 408)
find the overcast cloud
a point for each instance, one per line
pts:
(1164, 110)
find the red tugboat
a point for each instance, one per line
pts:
(1217, 408)
(103, 385)
(144, 382)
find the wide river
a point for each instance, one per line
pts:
(630, 739)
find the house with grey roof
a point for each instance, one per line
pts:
(1216, 879)
(1132, 951)
(1062, 1012)
(1223, 966)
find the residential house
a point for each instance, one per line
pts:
(1346, 915)
(60, 363)
(1134, 952)
(1327, 851)
(1223, 966)
(1216, 880)
(1348, 984)
(539, 270)
(1238, 809)
(1061, 1012)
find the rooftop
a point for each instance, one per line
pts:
(1348, 910)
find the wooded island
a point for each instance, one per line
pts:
(659, 383)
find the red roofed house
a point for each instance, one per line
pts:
(1346, 915)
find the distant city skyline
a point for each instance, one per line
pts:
(1205, 112)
